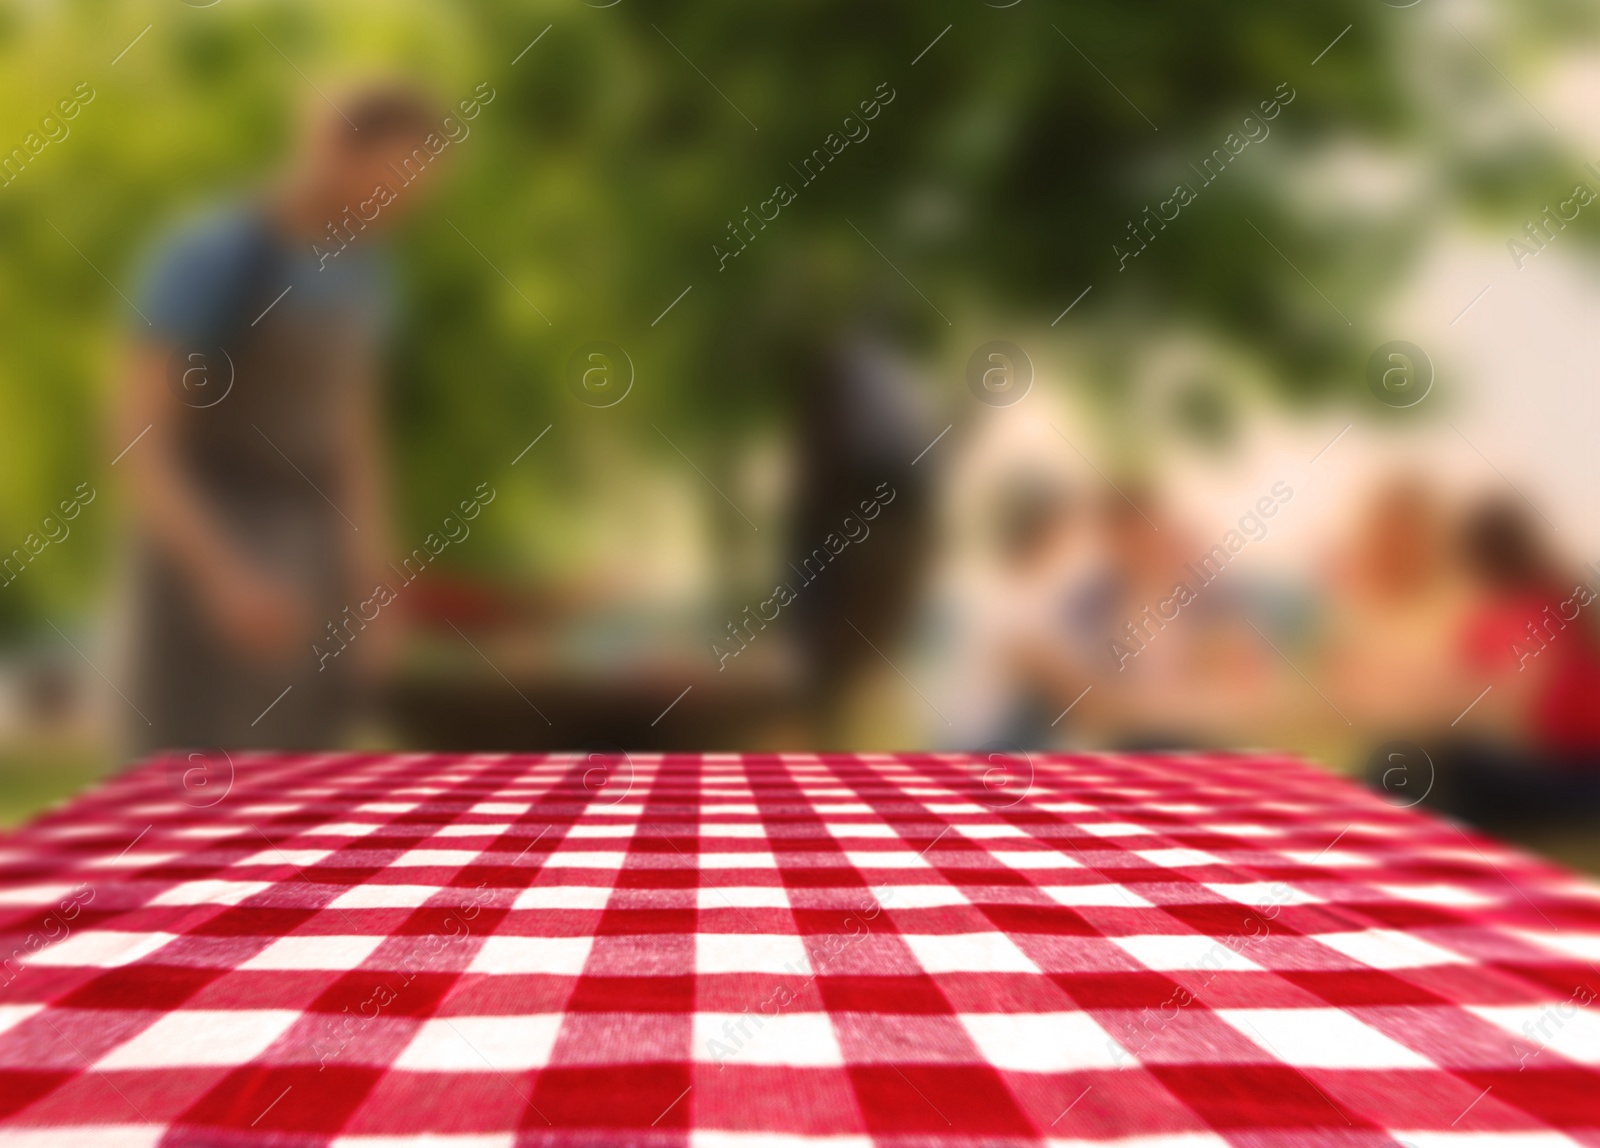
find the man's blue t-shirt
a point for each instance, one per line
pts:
(212, 278)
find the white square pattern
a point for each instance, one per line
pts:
(12, 1015)
(482, 1043)
(925, 897)
(563, 897)
(1263, 894)
(88, 1136)
(200, 1037)
(756, 859)
(862, 859)
(1439, 895)
(802, 1039)
(1176, 858)
(384, 897)
(876, 829)
(428, 858)
(210, 892)
(1320, 1038)
(1043, 1042)
(741, 897)
(338, 953)
(294, 858)
(1389, 949)
(1117, 896)
(584, 859)
(473, 829)
(562, 956)
(1035, 859)
(1193, 952)
(750, 953)
(1115, 829)
(342, 829)
(968, 953)
(105, 948)
(34, 894)
(1567, 1029)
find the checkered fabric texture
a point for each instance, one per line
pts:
(744, 950)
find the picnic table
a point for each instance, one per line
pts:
(780, 949)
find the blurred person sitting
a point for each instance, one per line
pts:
(1396, 605)
(1016, 649)
(1182, 667)
(1145, 646)
(256, 479)
(1530, 631)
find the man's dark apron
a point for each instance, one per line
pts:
(259, 457)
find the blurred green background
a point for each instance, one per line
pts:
(614, 155)
(606, 168)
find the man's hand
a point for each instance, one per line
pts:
(377, 653)
(259, 615)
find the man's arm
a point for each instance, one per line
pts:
(365, 491)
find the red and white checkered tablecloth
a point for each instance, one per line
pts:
(764, 950)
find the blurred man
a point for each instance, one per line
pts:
(863, 418)
(256, 479)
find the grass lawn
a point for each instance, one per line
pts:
(34, 777)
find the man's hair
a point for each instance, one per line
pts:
(1500, 544)
(387, 114)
